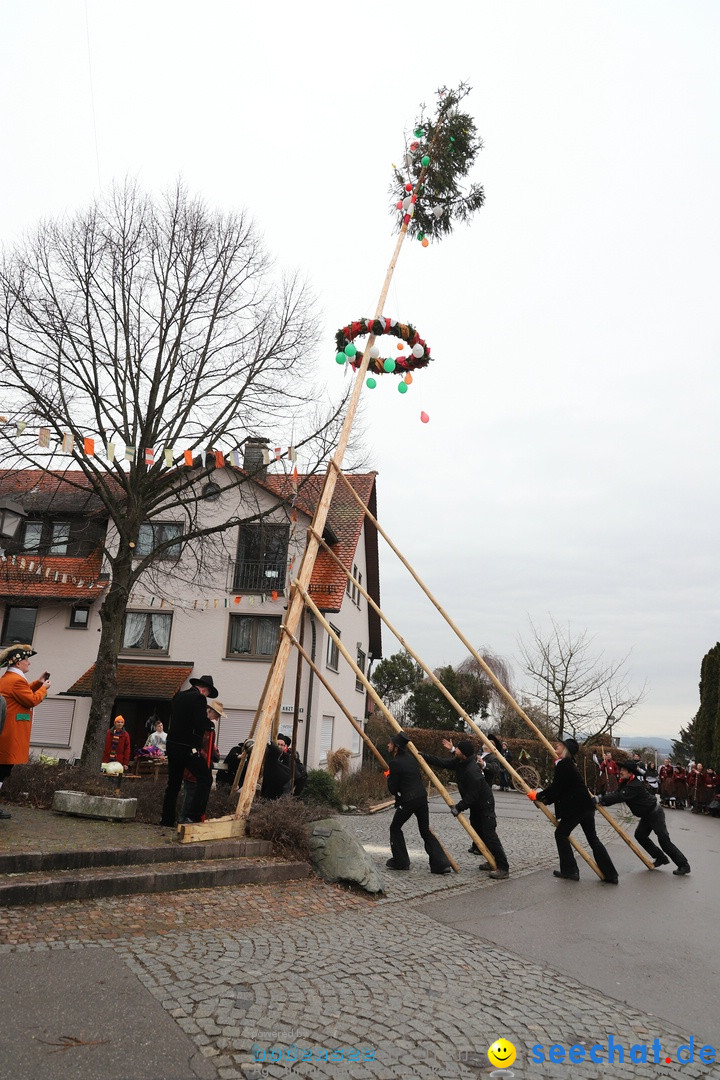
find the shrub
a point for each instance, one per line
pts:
(364, 787)
(321, 788)
(284, 822)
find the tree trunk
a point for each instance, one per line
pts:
(104, 682)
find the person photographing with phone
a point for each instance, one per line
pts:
(21, 697)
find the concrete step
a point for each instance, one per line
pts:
(91, 882)
(35, 861)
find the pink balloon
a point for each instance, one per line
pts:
(424, 417)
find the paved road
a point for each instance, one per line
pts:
(416, 985)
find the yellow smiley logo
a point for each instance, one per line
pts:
(502, 1053)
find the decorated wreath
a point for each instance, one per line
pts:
(419, 356)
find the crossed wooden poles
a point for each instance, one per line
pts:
(236, 822)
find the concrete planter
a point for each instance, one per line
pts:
(94, 806)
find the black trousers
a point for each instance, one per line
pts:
(586, 821)
(655, 822)
(181, 758)
(485, 825)
(436, 855)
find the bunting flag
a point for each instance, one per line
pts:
(68, 443)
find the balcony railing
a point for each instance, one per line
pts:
(259, 577)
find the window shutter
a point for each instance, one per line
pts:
(52, 723)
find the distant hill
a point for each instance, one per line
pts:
(663, 746)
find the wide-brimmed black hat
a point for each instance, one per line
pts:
(400, 739)
(571, 745)
(287, 739)
(16, 652)
(630, 766)
(207, 681)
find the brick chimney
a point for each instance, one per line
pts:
(253, 457)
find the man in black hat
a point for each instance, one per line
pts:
(644, 805)
(404, 781)
(188, 724)
(574, 805)
(477, 797)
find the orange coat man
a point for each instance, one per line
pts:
(21, 696)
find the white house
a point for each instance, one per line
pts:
(214, 609)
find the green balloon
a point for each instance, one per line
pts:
(421, 236)
(371, 384)
(389, 364)
(402, 388)
(350, 350)
(426, 161)
(419, 132)
(340, 358)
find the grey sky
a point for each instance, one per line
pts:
(569, 467)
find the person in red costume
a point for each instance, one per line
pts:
(21, 697)
(117, 743)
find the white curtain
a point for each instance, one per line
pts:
(134, 630)
(161, 630)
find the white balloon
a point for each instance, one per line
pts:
(438, 211)
(418, 351)
(374, 352)
(407, 202)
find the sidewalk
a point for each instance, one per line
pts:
(419, 984)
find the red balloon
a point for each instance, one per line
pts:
(398, 206)
(424, 417)
(408, 187)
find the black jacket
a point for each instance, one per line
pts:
(472, 785)
(567, 791)
(633, 792)
(276, 773)
(188, 719)
(405, 779)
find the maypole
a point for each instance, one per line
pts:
(430, 201)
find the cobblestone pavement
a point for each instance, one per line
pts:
(257, 975)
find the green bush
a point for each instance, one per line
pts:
(321, 787)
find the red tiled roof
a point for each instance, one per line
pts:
(52, 577)
(44, 489)
(161, 681)
(345, 518)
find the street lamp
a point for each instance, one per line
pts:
(11, 515)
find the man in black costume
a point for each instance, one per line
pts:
(477, 797)
(404, 781)
(574, 805)
(644, 805)
(188, 724)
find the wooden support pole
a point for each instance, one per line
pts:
(396, 727)
(461, 712)
(502, 690)
(358, 727)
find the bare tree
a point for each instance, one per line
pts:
(581, 694)
(151, 324)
